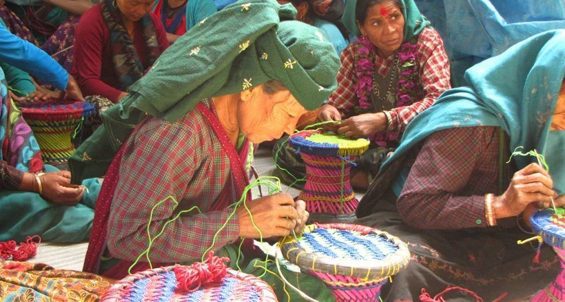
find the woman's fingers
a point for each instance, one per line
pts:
(535, 187)
(533, 178)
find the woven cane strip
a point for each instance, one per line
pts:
(544, 224)
(328, 182)
(324, 144)
(160, 285)
(347, 250)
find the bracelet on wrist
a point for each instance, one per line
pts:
(489, 211)
(38, 181)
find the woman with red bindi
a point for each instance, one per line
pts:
(394, 71)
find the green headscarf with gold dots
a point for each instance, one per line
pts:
(218, 56)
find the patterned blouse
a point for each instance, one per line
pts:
(434, 78)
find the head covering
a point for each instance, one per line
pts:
(415, 22)
(517, 91)
(215, 59)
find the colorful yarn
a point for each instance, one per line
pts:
(206, 284)
(328, 165)
(550, 225)
(9, 250)
(354, 261)
(53, 125)
(191, 278)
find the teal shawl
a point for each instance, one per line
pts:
(415, 22)
(517, 91)
(214, 59)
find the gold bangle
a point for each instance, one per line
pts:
(489, 212)
(38, 180)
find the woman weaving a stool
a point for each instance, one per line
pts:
(192, 146)
(393, 72)
(42, 204)
(445, 190)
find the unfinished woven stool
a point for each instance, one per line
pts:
(551, 227)
(53, 125)
(354, 261)
(328, 158)
(208, 282)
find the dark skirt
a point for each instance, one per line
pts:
(488, 262)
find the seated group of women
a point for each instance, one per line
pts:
(183, 131)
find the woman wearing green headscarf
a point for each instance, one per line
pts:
(454, 194)
(194, 116)
(395, 70)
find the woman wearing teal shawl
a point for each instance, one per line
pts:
(42, 204)
(449, 178)
(394, 71)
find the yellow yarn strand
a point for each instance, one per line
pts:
(269, 181)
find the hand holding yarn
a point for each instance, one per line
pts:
(530, 185)
(363, 125)
(57, 188)
(329, 113)
(269, 216)
(302, 217)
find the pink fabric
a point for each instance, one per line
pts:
(556, 290)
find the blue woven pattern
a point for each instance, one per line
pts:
(322, 149)
(345, 244)
(88, 109)
(161, 287)
(551, 233)
(164, 283)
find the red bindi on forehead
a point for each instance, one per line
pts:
(384, 11)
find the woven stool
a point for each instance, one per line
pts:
(354, 261)
(551, 227)
(327, 192)
(53, 125)
(165, 284)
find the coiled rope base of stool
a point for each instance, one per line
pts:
(347, 288)
(555, 291)
(328, 193)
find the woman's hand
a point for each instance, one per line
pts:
(73, 90)
(302, 217)
(58, 189)
(363, 125)
(275, 215)
(530, 185)
(329, 113)
(43, 94)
